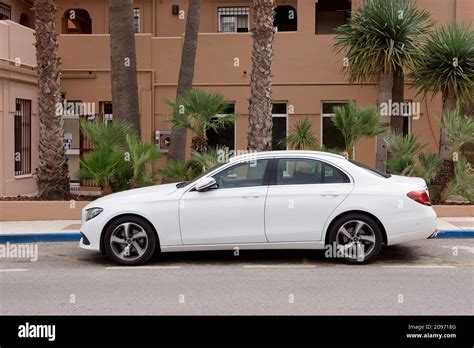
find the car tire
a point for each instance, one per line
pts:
(354, 238)
(130, 241)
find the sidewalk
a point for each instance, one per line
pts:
(68, 230)
(40, 231)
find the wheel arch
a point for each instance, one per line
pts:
(372, 216)
(102, 233)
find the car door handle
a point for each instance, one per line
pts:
(251, 195)
(329, 194)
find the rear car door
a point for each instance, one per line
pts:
(303, 194)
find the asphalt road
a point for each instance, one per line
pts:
(432, 277)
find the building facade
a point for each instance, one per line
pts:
(308, 78)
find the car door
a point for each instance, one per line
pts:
(303, 194)
(231, 213)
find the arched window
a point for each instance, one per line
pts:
(77, 21)
(285, 18)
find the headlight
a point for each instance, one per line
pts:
(92, 213)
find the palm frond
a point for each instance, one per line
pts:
(99, 165)
(382, 35)
(429, 166)
(177, 171)
(399, 145)
(401, 165)
(301, 137)
(141, 154)
(463, 181)
(109, 135)
(459, 129)
(355, 123)
(197, 111)
(446, 62)
(207, 160)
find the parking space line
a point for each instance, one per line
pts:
(279, 266)
(141, 267)
(14, 270)
(418, 266)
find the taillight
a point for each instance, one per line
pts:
(420, 197)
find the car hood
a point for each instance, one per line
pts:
(143, 194)
(408, 180)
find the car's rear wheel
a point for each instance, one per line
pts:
(355, 238)
(130, 240)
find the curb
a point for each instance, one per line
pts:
(76, 236)
(41, 237)
(455, 234)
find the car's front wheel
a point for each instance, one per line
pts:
(355, 238)
(130, 240)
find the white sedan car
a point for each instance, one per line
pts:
(267, 200)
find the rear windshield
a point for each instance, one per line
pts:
(370, 169)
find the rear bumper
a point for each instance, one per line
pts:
(417, 225)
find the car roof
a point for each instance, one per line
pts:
(284, 153)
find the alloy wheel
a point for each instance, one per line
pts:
(129, 241)
(355, 239)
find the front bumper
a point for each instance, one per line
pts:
(91, 232)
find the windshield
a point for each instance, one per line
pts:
(185, 183)
(370, 169)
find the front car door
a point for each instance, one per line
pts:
(231, 213)
(303, 194)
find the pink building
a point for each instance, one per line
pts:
(308, 80)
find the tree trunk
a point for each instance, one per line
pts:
(449, 103)
(385, 95)
(260, 102)
(398, 91)
(177, 150)
(199, 144)
(53, 171)
(446, 172)
(123, 63)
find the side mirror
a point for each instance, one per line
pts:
(204, 184)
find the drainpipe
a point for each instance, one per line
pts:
(153, 19)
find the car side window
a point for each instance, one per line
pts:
(332, 175)
(308, 172)
(298, 172)
(246, 174)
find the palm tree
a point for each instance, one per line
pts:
(301, 137)
(447, 66)
(197, 111)
(52, 173)
(260, 102)
(402, 149)
(141, 155)
(123, 63)
(177, 149)
(381, 38)
(109, 135)
(463, 181)
(460, 130)
(99, 165)
(355, 124)
(119, 159)
(204, 161)
(177, 171)
(429, 166)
